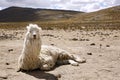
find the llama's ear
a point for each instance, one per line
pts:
(28, 27)
(40, 28)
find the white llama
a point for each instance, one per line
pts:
(35, 55)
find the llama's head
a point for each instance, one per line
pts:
(33, 31)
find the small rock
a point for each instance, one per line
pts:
(100, 45)
(100, 55)
(58, 75)
(48, 35)
(10, 50)
(87, 40)
(3, 75)
(74, 39)
(7, 63)
(9, 68)
(89, 53)
(52, 44)
(115, 36)
(107, 45)
(84, 40)
(92, 44)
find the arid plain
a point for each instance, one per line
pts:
(99, 47)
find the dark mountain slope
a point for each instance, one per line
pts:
(19, 14)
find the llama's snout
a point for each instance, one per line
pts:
(34, 36)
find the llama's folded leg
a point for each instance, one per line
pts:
(22, 70)
(77, 58)
(67, 56)
(73, 63)
(18, 70)
(61, 62)
(46, 63)
(47, 66)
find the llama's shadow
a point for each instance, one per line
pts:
(42, 75)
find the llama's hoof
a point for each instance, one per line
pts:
(81, 60)
(18, 70)
(75, 64)
(22, 70)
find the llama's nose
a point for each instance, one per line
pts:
(34, 36)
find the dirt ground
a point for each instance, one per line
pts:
(101, 49)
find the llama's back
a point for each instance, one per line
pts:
(49, 51)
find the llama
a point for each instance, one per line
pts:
(29, 58)
(35, 55)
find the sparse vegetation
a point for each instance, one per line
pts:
(63, 25)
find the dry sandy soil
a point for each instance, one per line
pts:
(101, 48)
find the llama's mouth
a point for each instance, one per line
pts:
(34, 36)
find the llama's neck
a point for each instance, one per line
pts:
(32, 46)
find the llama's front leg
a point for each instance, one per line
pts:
(45, 67)
(47, 64)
